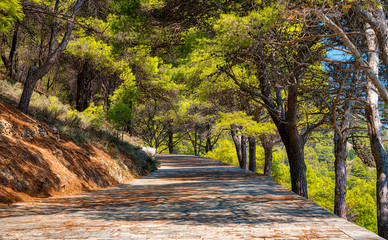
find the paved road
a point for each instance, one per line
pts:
(187, 198)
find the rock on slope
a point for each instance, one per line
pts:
(38, 161)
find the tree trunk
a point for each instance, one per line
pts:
(286, 124)
(252, 154)
(170, 141)
(10, 61)
(208, 145)
(4, 57)
(340, 176)
(267, 145)
(195, 142)
(374, 131)
(12, 54)
(295, 154)
(39, 83)
(244, 152)
(84, 82)
(237, 144)
(295, 145)
(28, 89)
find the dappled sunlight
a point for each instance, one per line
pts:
(192, 192)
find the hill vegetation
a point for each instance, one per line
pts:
(295, 89)
(41, 160)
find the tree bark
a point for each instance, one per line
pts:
(12, 54)
(170, 141)
(252, 154)
(340, 176)
(208, 147)
(28, 89)
(237, 143)
(294, 144)
(10, 61)
(244, 152)
(286, 124)
(378, 22)
(267, 145)
(375, 137)
(84, 81)
(295, 154)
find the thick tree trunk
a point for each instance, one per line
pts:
(374, 130)
(295, 154)
(340, 176)
(240, 142)
(295, 145)
(28, 89)
(286, 124)
(252, 154)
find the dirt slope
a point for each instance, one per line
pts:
(38, 161)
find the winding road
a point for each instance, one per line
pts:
(187, 198)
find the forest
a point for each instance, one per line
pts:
(295, 90)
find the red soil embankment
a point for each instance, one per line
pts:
(38, 161)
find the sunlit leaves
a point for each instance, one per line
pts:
(10, 10)
(122, 103)
(245, 123)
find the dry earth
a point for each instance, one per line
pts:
(38, 161)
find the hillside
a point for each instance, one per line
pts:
(37, 160)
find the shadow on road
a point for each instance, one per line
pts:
(186, 190)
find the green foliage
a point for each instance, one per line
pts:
(120, 115)
(100, 53)
(152, 164)
(361, 202)
(321, 185)
(10, 10)
(245, 124)
(168, 69)
(47, 109)
(95, 115)
(280, 170)
(225, 152)
(359, 170)
(122, 101)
